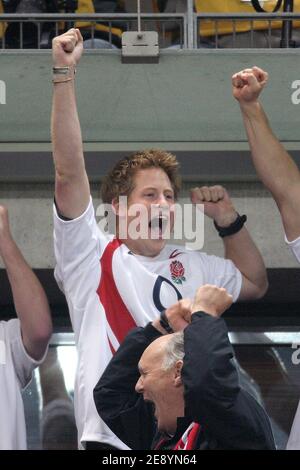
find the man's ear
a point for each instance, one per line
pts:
(115, 205)
(177, 377)
(119, 206)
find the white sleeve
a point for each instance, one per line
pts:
(23, 363)
(223, 273)
(294, 246)
(78, 246)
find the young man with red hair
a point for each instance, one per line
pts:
(112, 285)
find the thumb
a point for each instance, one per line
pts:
(251, 80)
(79, 35)
(67, 44)
(237, 81)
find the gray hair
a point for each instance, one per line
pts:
(174, 350)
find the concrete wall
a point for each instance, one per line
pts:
(183, 103)
(30, 207)
(185, 98)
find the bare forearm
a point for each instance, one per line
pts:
(273, 164)
(66, 132)
(29, 298)
(241, 249)
(72, 191)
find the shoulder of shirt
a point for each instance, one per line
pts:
(10, 330)
(86, 213)
(13, 324)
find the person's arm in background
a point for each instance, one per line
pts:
(58, 427)
(72, 190)
(273, 164)
(29, 297)
(239, 247)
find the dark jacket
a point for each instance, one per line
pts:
(230, 417)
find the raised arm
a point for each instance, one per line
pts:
(213, 395)
(273, 164)
(212, 392)
(72, 189)
(29, 297)
(239, 247)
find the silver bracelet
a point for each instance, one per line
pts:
(63, 74)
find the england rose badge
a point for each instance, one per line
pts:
(177, 272)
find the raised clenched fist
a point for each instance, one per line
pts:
(248, 84)
(67, 48)
(212, 300)
(179, 314)
(217, 204)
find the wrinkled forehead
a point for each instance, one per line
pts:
(151, 177)
(154, 353)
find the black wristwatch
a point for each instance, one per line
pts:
(164, 322)
(233, 228)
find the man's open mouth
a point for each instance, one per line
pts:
(158, 226)
(151, 403)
